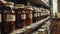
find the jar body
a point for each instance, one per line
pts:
(23, 18)
(8, 20)
(20, 18)
(34, 16)
(29, 17)
(38, 16)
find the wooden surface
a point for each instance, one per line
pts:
(55, 26)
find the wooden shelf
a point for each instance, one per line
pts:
(40, 2)
(30, 27)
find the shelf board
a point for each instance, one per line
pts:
(30, 27)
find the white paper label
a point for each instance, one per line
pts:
(10, 17)
(35, 14)
(30, 15)
(0, 17)
(23, 16)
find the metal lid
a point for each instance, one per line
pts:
(10, 4)
(19, 6)
(3, 1)
(29, 7)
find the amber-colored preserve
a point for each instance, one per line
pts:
(9, 17)
(20, 16)
(29, 15)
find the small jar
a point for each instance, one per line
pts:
(29, 15)
(20, 16)
(42, 13)
(8, 17)
(34, 15)
(38, 15)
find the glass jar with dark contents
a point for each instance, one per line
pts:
(29, 15)
(20, 16)
(9, 17)
(34, 15)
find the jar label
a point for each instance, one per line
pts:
(0, 17)
(10, 17)
(35, 14)
(23, 16)
(30, 15)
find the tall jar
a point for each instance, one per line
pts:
(8, 17)
(2, 3)
(29, 15)
(20, 16)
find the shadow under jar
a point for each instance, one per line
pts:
(9, 18)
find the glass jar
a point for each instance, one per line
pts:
(38, 15)
(20, 16)
(34, 15)
(29, 15)
(8, 17)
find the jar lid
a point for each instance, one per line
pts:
(34, 8)
(10, 4)
(19, 6)
(3, 1)
(29, 7)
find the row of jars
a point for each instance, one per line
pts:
(16, 16)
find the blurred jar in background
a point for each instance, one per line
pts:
(29, 15)
(8, 17)
(20, 16)
(38, 14)
(34, 15)
(2, 3)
